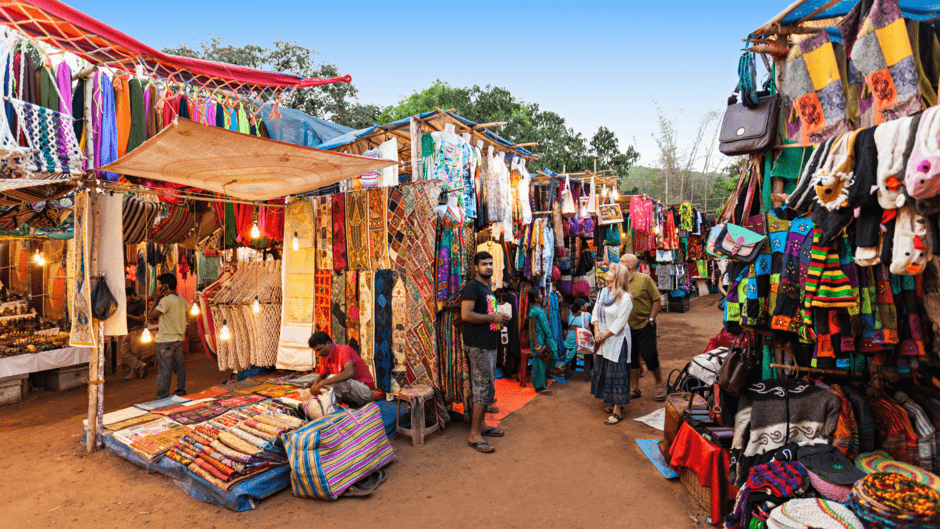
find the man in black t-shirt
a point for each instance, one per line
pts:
(481, 328)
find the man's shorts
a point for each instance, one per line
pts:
(482, 374)
(644, 345)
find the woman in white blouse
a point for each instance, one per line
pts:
(611, 381)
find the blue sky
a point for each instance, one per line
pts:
(594, 63)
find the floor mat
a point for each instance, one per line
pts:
(650, 448)
(509, 398)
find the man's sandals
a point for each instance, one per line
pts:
(613, 419)
(481, 446)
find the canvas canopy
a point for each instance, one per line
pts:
(238, 165)
(913, 9)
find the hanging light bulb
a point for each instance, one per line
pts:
(255, 232)
(656, 230)
(256, 307)
(296, 243)
(195, 310)
(604, 191)
(145, 336)
(224, 334)
(615, 194)
(38, 258)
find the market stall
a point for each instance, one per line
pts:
(824, 400)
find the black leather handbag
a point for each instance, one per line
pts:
(746, 130)
(103, 304)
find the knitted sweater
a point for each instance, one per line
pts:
(762, 422)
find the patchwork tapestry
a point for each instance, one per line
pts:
(366, 320)
(357, 230)
(339, 232)
(322, 301)
(324, 233)
(813, 82)
(338, 308)
(83, 331)
(352, 310)
(378, 227)
(397, 228)
(384, 283)
(400, 319)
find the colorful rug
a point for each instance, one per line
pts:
(509, 398)
(321, 301)
(339, 232)
(400, 319)
(207, 394)
(397, 229)
(324, 235)
(378, 227)
(650, 448)
(382, 355)
(881, 462)
(357, 230)
(352, 311)
(366, 322)
(338, 308)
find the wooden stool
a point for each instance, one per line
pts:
(415, 397)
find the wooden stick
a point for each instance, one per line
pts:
(822, 8)
(415, 127)
(530, 144)
(775, 21)
(794, 146)
(808, 370)
(84, 72)
(91, 431)
(144, 191)
(491, 124)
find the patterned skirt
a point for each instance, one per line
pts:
(611, 380)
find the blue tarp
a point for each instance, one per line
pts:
(913, 9)
(352, 136)
(299, 128)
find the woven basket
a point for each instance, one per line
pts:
(702, 495)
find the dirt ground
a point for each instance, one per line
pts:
(558, 466)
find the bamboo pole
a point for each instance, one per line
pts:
(415, 127)
(91, 432)
(767, 28)
(817, 370)
(107, 186)
(822, 8)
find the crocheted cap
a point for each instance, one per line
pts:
(830, 464)
(881, 462)
(813, 513)
(830, 491)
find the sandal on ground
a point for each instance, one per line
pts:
(492, 432)
(482, 447)
(616, 419)
(660, 393)
(492, 409)
(635, 394)
(544, 392)
(367, 485)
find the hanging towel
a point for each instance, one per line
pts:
(137, 133)
(122, 95)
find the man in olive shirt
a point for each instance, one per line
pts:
(170, 308)
(642, 321)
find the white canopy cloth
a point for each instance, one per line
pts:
(236, 164)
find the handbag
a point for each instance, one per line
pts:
(735, 241)
(565, 284)
(103, 304)
(722, 406)
(330, 454)
(748, 130)
(568, 208)
(738, 243)
(734, 373)
(706, 366)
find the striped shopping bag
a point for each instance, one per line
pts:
(330, 454)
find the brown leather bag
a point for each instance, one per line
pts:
(746, 130)
(676, 404)
(734, 372)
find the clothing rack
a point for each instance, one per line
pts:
(817, 370)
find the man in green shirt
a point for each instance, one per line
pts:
(170, 310)
(642, 322)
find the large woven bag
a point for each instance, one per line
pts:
(330, 454)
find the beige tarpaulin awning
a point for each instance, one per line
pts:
(236, 164)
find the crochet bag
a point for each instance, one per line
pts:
(735, 241)
(568, 208)
(330, 454)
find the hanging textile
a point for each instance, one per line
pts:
(400, 320)
(388, 150)
(339, 232)
(450, 257)
(321, 301)
(366, 320)
(396, 228)
(175, 227)
(122, 106)
(138, 124)
(357, 230)
(420, 200)
(382, 354)
(352, 311)
(83, 332)
(324, 235)
(455, 371)
(53, 149)
(103, 120)
(138, 218)
(298, 278)
(338, 308)
(55, 279)
(110, 260)
(378, 227)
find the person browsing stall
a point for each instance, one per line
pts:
(646, 304)
(544, 347)
(343, 370)
(170, 312)
(481, 329)
(130, 346)
(578, 318)
(610, 380)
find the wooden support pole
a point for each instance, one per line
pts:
(415, 127)
(91, 432)
(776, 190)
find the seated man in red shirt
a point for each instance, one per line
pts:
(342, 369)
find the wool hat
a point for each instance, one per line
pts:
(910, 253)
(892, 500)
(829, 490)
(805, 513)
(895, 141)
(922, 178)
(880, 461)
(836, 174)
(829, 463)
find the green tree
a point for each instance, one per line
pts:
(605, 148)
(337, 102)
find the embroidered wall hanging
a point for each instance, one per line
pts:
(322, 301)
(384, 282)
(378, 227)
(338, 308)
(366, 320)
(357, 230)
(339, 232)
(324, 233)
(83, 331)
(352, 310)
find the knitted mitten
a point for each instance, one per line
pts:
(923, 167)
(910, 253)
(835, 175)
